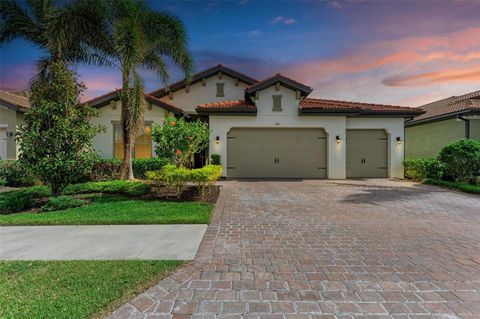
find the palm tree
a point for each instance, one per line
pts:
(139, 38)
(64, 31)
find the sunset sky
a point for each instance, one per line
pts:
(405, 52)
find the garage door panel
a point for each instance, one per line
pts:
(367, 153)
(252, 153)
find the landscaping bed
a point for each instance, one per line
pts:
(74, 289)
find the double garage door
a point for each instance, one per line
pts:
(301, 153)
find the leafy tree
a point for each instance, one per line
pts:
(461, 159)
(65, 30)
(56, 137)
(137, 37)
(178, 139)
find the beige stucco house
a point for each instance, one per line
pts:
(444, 121)
(13, 106)
(272, 129)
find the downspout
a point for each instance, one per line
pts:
(467, 126)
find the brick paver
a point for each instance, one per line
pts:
(328, 249)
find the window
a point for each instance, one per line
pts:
(277, 103)
(220, 89)
(142, 148)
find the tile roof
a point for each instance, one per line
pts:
(233, 106)
(15, 101)
(449, 107)
(199, 76)
(104, 99)
(332, 106)
(286, 81)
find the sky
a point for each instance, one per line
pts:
(393, 52)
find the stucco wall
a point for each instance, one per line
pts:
(426, 141)
(200, 94)
(475, 129)
(289, 118)
(8, 119)
(103, 142)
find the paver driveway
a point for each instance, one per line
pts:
(328, 249)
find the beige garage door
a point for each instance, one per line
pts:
(276, 153)
(367, 153)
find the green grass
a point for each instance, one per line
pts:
(467, 188)
(114, 210)
(74, 289)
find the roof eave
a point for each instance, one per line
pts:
(442, 117)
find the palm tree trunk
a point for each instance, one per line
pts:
(126, 170)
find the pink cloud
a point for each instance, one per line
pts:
(434, 78)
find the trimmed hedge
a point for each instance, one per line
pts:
(467, 188)
(15, 175)
(418, 169)
(106, 169)
(178, 177)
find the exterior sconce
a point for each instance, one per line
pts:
(217, 140)
(399, 140)
(337, 138)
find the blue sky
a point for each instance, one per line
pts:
(396, 52)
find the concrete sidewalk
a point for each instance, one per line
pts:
(100, 242)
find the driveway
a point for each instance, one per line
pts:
(100, 242)
(328, 249)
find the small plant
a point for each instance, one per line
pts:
(215, 159)
(462, 160)
(62, 202)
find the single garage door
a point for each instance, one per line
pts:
(367, 153)
(276, 153)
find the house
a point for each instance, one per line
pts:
(13, 106)
(444, 121)
(272, 129)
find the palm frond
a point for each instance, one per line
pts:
(16, 22)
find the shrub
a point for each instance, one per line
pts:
(15, 174)
(178, 177)
(130, 188)
(177, 140)
(107, 169)
(143, 165)
(56, 137)
(461, 160)
(62, 202)
(418, 169)
(22, 199)
(3, 182)
(215, 159)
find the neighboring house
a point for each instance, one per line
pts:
(444, 121)
(270, 128)
(13, 105)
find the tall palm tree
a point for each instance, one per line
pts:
(140, 38)
(63, 30)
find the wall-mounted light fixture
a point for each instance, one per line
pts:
(217, 140)
(399, 140)
(337, 138)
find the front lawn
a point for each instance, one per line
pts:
(109, 210)
(74, 289)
